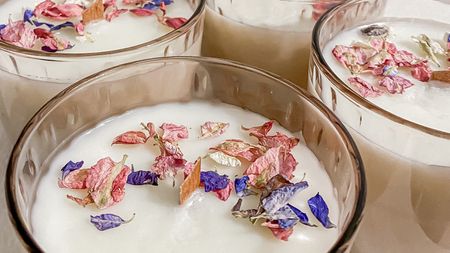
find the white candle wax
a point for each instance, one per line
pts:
(270, 34)
(127, 30)
(408, 197)
(203, 223)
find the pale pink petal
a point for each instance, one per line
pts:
(364, 88)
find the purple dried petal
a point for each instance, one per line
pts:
(320, 210)
(71, 166)
(63, 25)
(302, 217)
(240, 185)
(2, 26)
(287, 223)
(107, 221)
(281, 196)
(27, 16)
(142, 177)
(38, 24)
(213, 181)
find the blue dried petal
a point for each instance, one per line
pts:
(2, 26)
(240, 185)
(142, 177)
(107, 221)
(320, 210)
(213, 181)
(27, 16)
(63, 25)
(281, 196)
(287, 223)
(155, 4)
(38, 24)
(302, 217)
(71, 166)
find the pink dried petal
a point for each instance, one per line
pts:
(395, 84)
(55, 11)
(278, 140)
(114, 14)
(150, 127)
(167, 166)
(240, 149)
(79, 28)
(42, 33)
(405, 58)
(275, 161)
(19, 34)
(175, 23)
(213, 129)
(188, 168)
(364, 88)
(270, 224)
(142, 12)
(174, 133)
(75, 179)
(106, 182)
(109, 3)
(130, 137)
(282, 234)
(355, 57)
(380, 59)
(54, 44)
(260, 130)
(171, 149)
(422, 73)
(135, 2)
(225, 193)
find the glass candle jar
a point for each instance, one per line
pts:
(28, 78)
(270, 34)
(183, 80)
(403, 137)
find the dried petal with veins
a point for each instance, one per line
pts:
(224, 159)
(213, 129)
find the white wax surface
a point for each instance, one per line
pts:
(124, 31)
(425, 103)
(203, 224)
(273, 14)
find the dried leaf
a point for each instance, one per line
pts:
(95, 12)
(191, 183)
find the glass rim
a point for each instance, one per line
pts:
(316, 54)
(356, 160)
(196, 15)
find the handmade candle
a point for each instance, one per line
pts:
(270, 34)
(407, 167)
(30, 77)
(203, 222)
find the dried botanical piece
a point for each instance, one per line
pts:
(95, 12)
(224, 159)
(108, 221)
(430, 47)
(320, 210)
(443, 76)
(213, 129)
(191, 183)
(375, 31)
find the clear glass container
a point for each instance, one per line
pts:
(270, 34)
(100, 96)
(408, 166)
(29, 78)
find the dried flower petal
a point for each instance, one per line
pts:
(224, 194)
(320, 210)
(175, 23)
(364, 88)
(167, 166)
(61, 26)
(52, 10)
(422, 73)
(142, 177)
(95, 12)
(174, 133)
(275, 161)
(130, 137)
(302, 217)
(71, 166)
(142, 12)
(82, 202)
(244, 214)
(405, 58)
(241, 186)
(108, 221)
(395, 84)
(277, 140)
(259, 130)
(375, 31)
(110, 15)
(212, 181)
(282, 234)
(430, 47)
(281, 196)
(240, 149)
(18, 34)
(191, 182)
(213, 129)
(106, 182)
(74, 180)
(224, 159)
